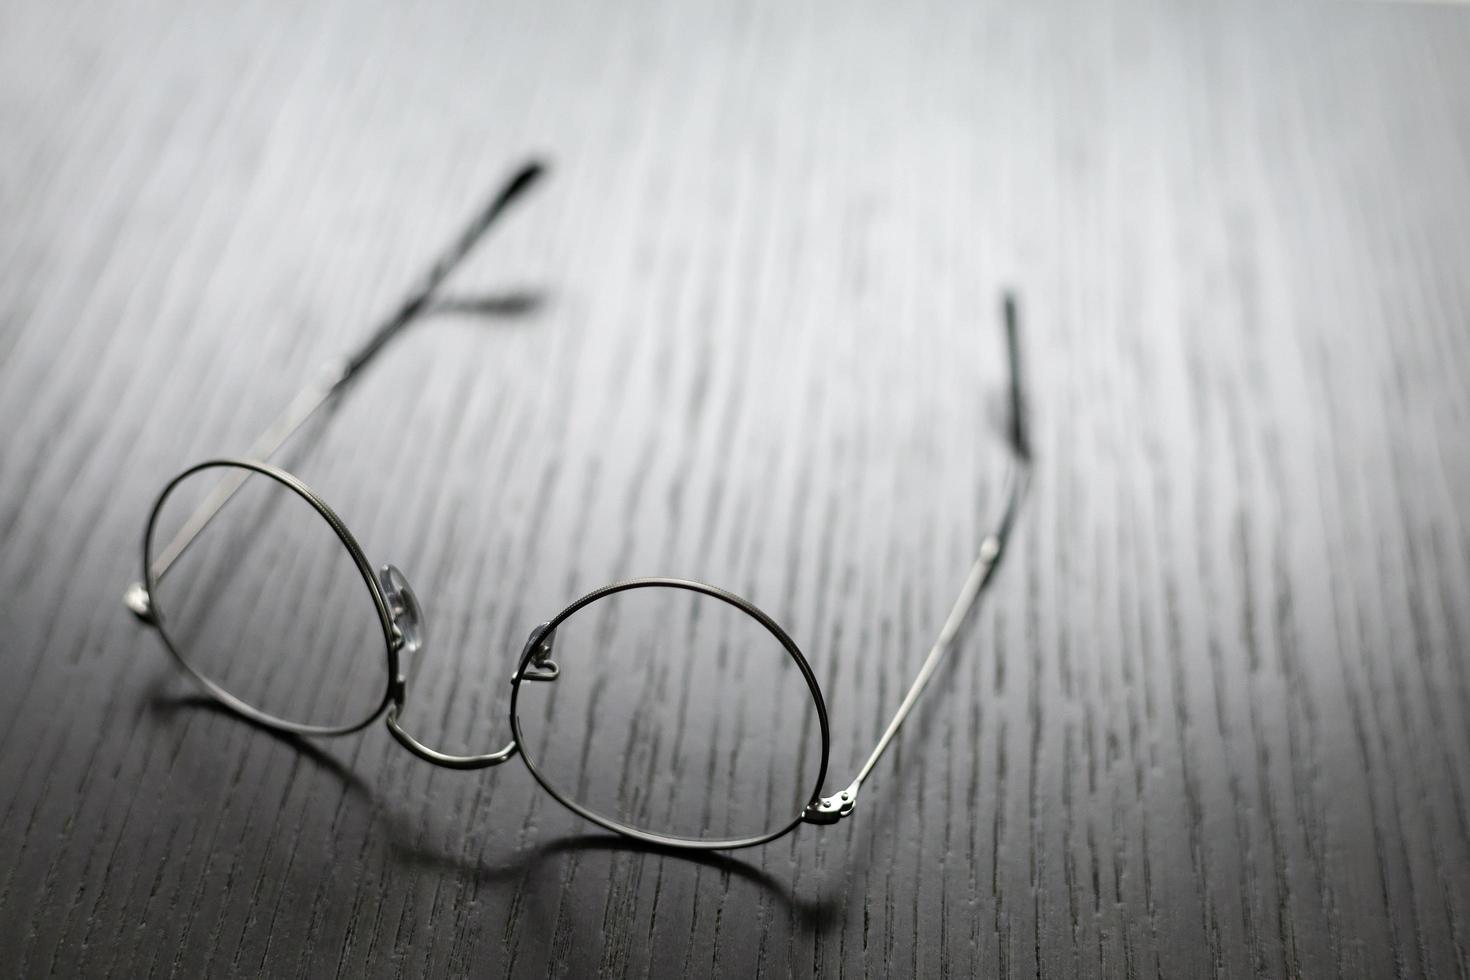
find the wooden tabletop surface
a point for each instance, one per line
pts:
(1212, 720)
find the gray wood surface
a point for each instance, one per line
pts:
(1213, 719)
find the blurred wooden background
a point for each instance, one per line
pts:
(1213, 720)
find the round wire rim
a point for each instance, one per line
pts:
(354, 550)
(647, 836)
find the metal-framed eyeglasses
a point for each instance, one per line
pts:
(673, 635)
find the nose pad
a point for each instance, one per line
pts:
(407, 616)
(541, 667)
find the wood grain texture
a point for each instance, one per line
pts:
(1213, 720)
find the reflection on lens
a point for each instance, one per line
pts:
(267, 603)
(674, 713)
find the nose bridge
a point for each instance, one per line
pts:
(408, 622)
(445, 759)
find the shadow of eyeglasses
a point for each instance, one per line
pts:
(497, 309)
(508, 304)
(814, 914)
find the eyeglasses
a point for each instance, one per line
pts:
(674, 712)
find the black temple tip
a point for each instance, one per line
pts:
(530, 172)
(1020, 440)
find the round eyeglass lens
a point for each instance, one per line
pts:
(266, 603)
(675, 713)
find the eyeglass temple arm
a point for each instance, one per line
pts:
(335, 375)
(448, 260)
(833, 808)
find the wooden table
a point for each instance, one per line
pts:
(1212, 719)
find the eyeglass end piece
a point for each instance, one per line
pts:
(139, 602)
(830, 809)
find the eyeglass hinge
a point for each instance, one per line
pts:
(830, 809)
(140, 603)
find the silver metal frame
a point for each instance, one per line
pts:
(538, 648)
(398, 609)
